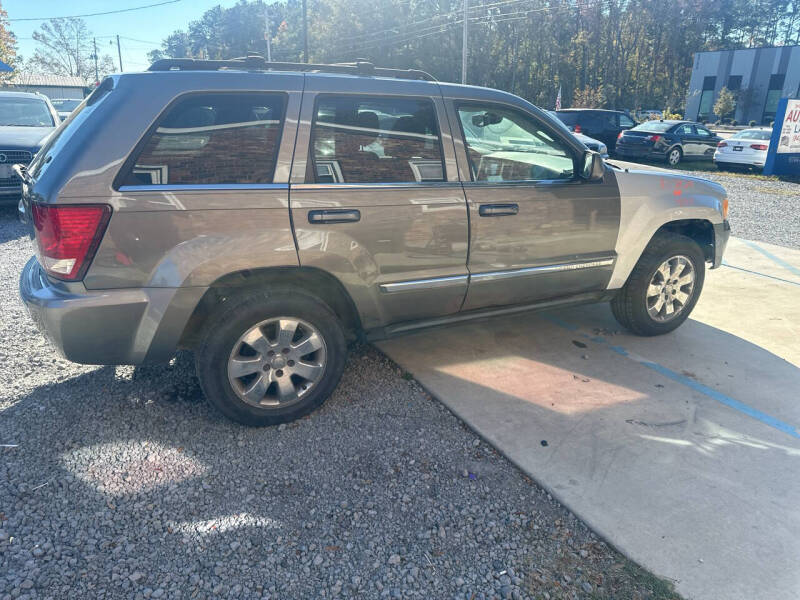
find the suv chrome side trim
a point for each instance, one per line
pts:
(423, 284)
(573, 266)
(192, 187)
(437, 282)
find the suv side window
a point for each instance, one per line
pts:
(625, 121)
(506, 145)
(364, 139)
(219, 138)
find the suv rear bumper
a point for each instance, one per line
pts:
(108, 327)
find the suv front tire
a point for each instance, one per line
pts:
(270, 357)
(663, 287)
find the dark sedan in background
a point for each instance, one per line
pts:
(25, 121)
(670, 141)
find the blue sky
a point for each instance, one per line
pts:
(141, 30)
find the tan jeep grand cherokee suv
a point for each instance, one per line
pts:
(261, 214)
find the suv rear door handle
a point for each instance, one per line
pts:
(498, 210)
(347, 215)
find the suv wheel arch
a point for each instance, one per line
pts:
(700, 231)
(316, 282)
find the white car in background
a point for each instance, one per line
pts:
(589, 142)
(745, 149)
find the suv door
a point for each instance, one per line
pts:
(376, 201)
(537, 230)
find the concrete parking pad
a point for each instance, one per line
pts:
(681, 450)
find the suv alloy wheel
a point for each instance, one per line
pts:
(269, 357)
(663, 287)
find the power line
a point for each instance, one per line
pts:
(99, 14)
(125, 37)
(398, 35)
(402, 38)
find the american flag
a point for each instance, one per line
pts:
(558, 99)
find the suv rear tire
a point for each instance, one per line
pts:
(270, 357)
(663, 287)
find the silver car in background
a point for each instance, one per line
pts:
(745, 149)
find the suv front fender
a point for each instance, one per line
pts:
(651, 199)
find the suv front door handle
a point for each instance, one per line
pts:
(347, 215)
(498, 210)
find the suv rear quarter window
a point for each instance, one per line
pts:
(223, 138)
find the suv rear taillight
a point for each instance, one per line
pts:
(68, 237)
(577, 129)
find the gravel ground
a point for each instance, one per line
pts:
(122, 483)
(760, 210)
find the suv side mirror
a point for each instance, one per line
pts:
(593, 166)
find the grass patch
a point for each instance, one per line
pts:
(660, 589)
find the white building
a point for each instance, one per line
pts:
(52, 86)
(758, 77)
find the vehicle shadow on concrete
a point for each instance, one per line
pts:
(660, 444)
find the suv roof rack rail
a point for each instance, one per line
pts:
(255, 62)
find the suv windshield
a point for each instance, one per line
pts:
(25, 112)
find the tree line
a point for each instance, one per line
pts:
(623, 54)
(601, 53)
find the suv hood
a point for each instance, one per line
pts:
(641, 175)
(25, 138)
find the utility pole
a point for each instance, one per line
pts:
(305, 32)
(267, 34)
(514, 60)
(119, 53)
(96, 74)
(463, 43)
